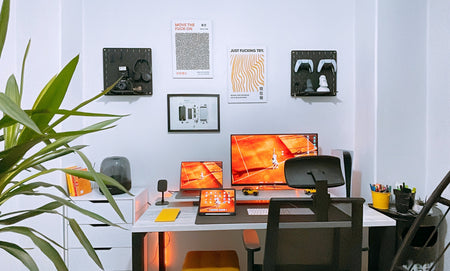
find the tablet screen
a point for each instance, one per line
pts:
(217, 202)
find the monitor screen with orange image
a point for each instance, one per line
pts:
(217, 201)
(197, 175)
(258, 159)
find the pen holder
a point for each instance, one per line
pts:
(380, 200)
(403, 200)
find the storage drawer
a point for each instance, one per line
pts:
(102, 236)
(104, 209)
(112, 259)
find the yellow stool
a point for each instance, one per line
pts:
(225, 260)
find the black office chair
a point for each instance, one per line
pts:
(318, 233)
(400, 258)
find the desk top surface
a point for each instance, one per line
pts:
(188, 214)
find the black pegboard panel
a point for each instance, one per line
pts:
(306, 69)
(135, 67)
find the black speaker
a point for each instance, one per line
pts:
(348, 172)
(118, 168)
(346, 166)
(162, 187)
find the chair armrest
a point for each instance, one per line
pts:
(251, 240)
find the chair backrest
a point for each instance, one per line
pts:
(297, 240)
(436, 197)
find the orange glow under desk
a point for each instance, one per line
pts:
(188, 214)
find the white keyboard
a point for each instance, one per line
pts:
(283, 211)
(257, 211)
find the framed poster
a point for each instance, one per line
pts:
(192, 57)
(193, 112)
(247, 75)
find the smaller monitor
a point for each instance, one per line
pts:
(196, 175)
(217, 202)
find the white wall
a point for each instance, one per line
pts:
(438, 94)
(281, 26)
(392, 80)
(143, 137)
(438, 98)
(365, 96)
(401, 109)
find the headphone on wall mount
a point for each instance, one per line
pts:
(142, 71)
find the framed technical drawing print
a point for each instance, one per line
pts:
(193, 112)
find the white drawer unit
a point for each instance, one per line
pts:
(116, 258)
(112, 244)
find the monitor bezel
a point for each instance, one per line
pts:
(264, 185)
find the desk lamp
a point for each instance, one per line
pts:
(315, 172)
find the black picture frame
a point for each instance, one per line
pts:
(193, 112)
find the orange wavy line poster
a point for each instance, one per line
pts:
(247, 75)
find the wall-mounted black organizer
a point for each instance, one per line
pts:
(313, 73)
(134, 65)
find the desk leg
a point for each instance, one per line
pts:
(138, 251)
(381, 248)
(161, 254)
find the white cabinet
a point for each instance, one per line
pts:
(112, 244)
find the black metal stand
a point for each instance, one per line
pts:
(321, 199)
(162, 201)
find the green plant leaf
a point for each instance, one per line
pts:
(36, 163)
(24, 131)
(41, 243)
(30, 187)
(74, 206)
(23, 67)
(90, 176)
(4, 19)
(66, 137)
(8, 107)
(51, 151)
(10, 157)
(86, 102)
(15, 185)
(84, 241)
(101, 184)
(51, 98)
(18, 216)
(102, 93)
(83, 114)
(12, 91)
(20, 254)
(6, 121)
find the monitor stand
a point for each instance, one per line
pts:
(188, 194)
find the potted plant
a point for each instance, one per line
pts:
(30, 140)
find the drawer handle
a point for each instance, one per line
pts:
(99, 201)
(99, 225)
(103, 248)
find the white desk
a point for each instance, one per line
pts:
(186, 222)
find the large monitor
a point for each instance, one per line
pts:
(258, 159)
